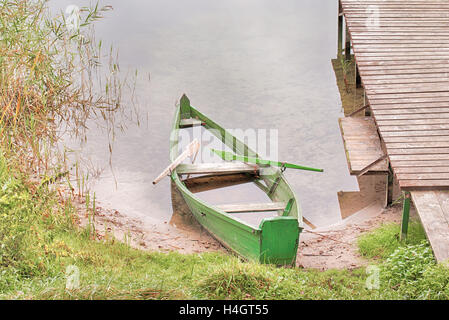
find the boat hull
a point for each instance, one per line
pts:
(274, 241)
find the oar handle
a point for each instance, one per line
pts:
(230, 156)
(303, 168)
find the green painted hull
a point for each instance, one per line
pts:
(275, 240)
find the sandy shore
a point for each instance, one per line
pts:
(161, 236)
(335, 247)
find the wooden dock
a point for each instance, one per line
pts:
(401, 49)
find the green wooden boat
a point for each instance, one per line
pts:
(275, 240)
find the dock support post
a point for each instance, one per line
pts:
(405, 215)
(389, 193)
(368, 112)
(340, 30)
(358, 79)
(347, 45)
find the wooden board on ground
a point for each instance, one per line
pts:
(362, 145)
(433, 210)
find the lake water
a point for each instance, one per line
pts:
(244, 63)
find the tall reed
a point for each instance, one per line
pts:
(53, 79)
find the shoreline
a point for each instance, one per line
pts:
(322, 248)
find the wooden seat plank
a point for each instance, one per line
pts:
(217, 168)
(252, 207)
(192, 122)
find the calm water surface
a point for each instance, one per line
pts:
(244, 63)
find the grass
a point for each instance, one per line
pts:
(385, 240)
(407, 269)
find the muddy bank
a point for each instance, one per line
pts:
(162, 237)
(335, 247)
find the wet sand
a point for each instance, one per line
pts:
(158, 236)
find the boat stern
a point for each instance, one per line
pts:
(279, 240)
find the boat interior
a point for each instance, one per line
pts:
(246, 193)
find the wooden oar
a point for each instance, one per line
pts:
(191, 150)
(231, 156)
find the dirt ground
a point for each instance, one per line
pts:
(335, 247)
(161, 237)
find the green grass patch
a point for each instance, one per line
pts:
(383, 241)
(407, 269)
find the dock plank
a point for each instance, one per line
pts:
(418, 145)
(423, 176)
(424, 184)
(397, 164)
(426, 169)
(417, 116)
(417, 151)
